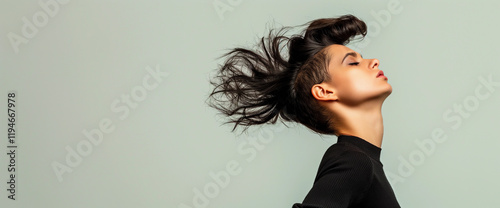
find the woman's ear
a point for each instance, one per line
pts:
(324, 92)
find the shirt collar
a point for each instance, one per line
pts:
(365, 146)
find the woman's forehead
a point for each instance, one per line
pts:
(336, 53)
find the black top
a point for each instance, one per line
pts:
(350, 175)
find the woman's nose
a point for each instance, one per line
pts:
(374, 63)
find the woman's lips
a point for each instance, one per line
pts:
(381, 74)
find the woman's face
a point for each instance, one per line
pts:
(355, 80)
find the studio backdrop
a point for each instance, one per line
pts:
(103, 103)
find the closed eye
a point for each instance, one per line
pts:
(354, 63)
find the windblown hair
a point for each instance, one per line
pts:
(259, 86)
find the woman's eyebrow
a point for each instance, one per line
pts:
(351, 54)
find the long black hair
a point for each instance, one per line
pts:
(259, 86)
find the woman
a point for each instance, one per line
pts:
(325, 86)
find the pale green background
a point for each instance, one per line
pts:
(92, 52)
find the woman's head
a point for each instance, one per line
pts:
(259, 86)
(354, 81)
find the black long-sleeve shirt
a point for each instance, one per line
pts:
(350, 175)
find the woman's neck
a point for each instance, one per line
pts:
(365, 123)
